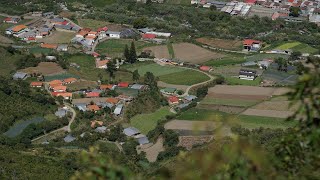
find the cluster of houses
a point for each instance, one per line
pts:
(39, 29)
(175, 100)
(309, 9)
(94, 102)
(87, 37)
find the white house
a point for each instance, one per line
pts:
(113, 34)
(247, 74)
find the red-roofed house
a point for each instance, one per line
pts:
(106, 87)
(205, 68)
(102, 29)
(13, 20)
(59, 88)
(93, 123)
(148, 36)
(94, 108)
(112, 100)
(65, 95)
(36, 84)
(94, 54)
(173, 100)
(102, 64)
(251, 44)
(69, 80)
(55, 83)
(250, 2)
(123, 84)
(93, 94)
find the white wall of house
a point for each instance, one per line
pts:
(117, 36)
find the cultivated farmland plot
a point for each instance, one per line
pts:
(194, 54)
(45, 68)
(221, 43)
(159, 51)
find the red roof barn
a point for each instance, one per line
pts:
(149, 36)
(251, 2)
(123, 84)
(173, 100)
(93, 94)
(205, 68)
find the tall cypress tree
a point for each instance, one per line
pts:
(126, 53)
(133, 54)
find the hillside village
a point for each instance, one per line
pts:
(144, 92)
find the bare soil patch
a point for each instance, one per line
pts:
(58, 37)
(189, 141)
(275, 105)
(237, 96)
(221, 43)
(281, 91)
(242, 90)
(45, 68)
(82, 84)
(159, 51)
(153, 151)
(267, 113)
(222, 108)
(179, 87)
(194, 54)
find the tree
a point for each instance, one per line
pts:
(111, 69)
(126, 53)
(133, 54)
(294, 11)
(135, 75)
(300, 68)
(129, 149)
(295, 55)
(140, 23)
(282, 64)
(171, 138)
(150, 80)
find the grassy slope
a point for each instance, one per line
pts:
(243, 120)
(115, 47)
(187, 77)
(91, 23)
(7, 62)
(147, 122)
(237, 81)
(228, 60)
(156, 69)
(88, 71)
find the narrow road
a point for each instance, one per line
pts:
(65, 128)
(95, 45)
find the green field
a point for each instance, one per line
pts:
(127, 91)
(228, 60)
(147, 122)
(181, 2)
(91, 23)
(187, 77)
(7, 62)
(243, 120)
(115, 47)
(88, 70)
(259, 57)
(237, 81)
(170, 49)
(60, 76)
(295, 46)
(156, 69)
(229, 102)
(39, 50)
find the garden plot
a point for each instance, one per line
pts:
(267, 113)
(189, 141)
(194, 54)
(221, 43)
(58, 37)
(44, 68)
(240, 92)
(159, 51)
